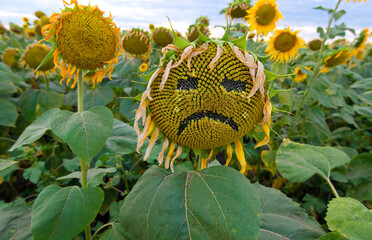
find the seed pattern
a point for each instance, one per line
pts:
(203, 108)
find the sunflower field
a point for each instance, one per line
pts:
(154, 134)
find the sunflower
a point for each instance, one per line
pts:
(338, 57)
(39, 14)
(315, 44)
(300, 76)
(9, 57)
(143, 67)
(193, 32)
(33, 57)
(84, 39)
(136, 43)
(162, 36)
(238, 9)
(284, 45)
(263, 16)
(203, 20)
(204, 95)
(360, 41)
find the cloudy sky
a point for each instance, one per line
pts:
(298, 15)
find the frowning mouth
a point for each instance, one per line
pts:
(207, 114)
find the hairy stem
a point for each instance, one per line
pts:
(84, 166)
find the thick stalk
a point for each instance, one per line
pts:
(319, 60)
(332, 187)
(83, 165)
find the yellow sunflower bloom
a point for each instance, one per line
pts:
(361, 41)
(204, 96)
(338, 57)
(263, 16)
(300, 76)
(284, 45)
(84, 39)
(33, 57)
(143, 67)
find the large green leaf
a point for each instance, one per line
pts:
(15, 222)
(366, 97)
(284, 219)
(333, 236)
(61, 213)
(37, 101)
(349, 217)
(7, 88)
(97, 97)
(6, 163)
(123, 139)
(6, 74)
(35, 130)
(8, 113)
(86, 133)
(298, 162)
(364, 84)
(364, 111)
(116, 232)
(360, 169)
(214, 203)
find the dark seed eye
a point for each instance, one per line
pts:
(187, 84)
(231, 85)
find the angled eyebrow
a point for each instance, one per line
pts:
(187, 84)
(232, 85)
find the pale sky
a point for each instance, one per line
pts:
(299, 15)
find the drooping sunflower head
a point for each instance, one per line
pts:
(30, 33)
(238, 9)
(361, 39)
(162, 36)
(193, 32)
(15, 28)
(263, 16)
(34, 55)
(39, 14)
(203, 20)
(284, 45)
(136, 43)
(9, 57)
(84, 39)
(25, 20)
(338, 57)
(315, 44)
(205, 95)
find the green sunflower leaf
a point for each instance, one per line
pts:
(47, 57)
(215, 203)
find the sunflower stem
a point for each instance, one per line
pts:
(84, 166)
(316, 69)
(332, 187)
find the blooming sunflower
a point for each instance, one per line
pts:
(360, 41)
(205, 94)
(34, 56)
(263, 16)
(284, 45)
(84, 40)
(162, 36)
(136, 43)
(143, 67)
(300, 76)
(238, 9)
(315, 44)
(338, 57)
(9, 57)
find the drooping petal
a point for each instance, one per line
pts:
(169, 155)
(240, 155)
(205, 160)
(229, 151)
(165, 75)
(178, 153)
(153, 139)
(161, 154)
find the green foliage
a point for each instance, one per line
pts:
(349, 217)
(61, 213)
(86, 132)
(174, 200)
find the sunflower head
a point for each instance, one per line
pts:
(338, 57)
(315, 44)
(84, 39)
(39, 14)
(238, 9)
(15, 28)
(34, 55)
(193, 32)
(361, 39)
(263, 16)
(284, 45)
(9, 57)
(143, 67)
(30, 33)
(137, 43)
(44, 21)
(25, 20)
(300, 76)
(162, 36)
(205, 94)
(203, 20)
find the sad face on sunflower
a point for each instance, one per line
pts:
(204, 95)
(84, 40)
